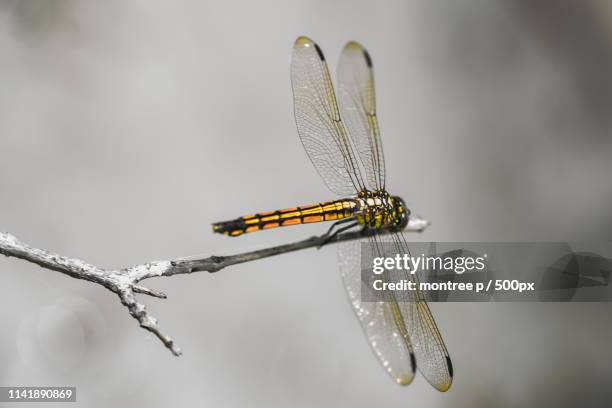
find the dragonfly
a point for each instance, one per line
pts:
(344, 145)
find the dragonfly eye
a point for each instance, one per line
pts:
(403, 212)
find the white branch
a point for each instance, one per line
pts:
(126, 282)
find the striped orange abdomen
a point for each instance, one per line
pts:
(328, 211)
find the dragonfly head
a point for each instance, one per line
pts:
(402, 213)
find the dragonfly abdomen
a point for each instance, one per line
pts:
(327, 211)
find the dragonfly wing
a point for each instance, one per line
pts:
(358, 109)
(432, 357)
(321, 130)
(431, 354)
(378, 319)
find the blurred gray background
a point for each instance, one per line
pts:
(126, 128)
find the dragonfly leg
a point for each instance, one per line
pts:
(334, 225)
(331, 234)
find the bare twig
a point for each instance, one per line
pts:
(126, 282)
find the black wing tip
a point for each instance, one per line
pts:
(354, 45)
(303, 41)
(367, 57)
(321, 56)
(413, 362)
(450, 366)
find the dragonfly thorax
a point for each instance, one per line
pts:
(378, 209)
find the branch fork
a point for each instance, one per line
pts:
(126, 283)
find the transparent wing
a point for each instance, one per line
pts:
(432, 357)
(318, 120)
(378, 320)
(358, 109)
